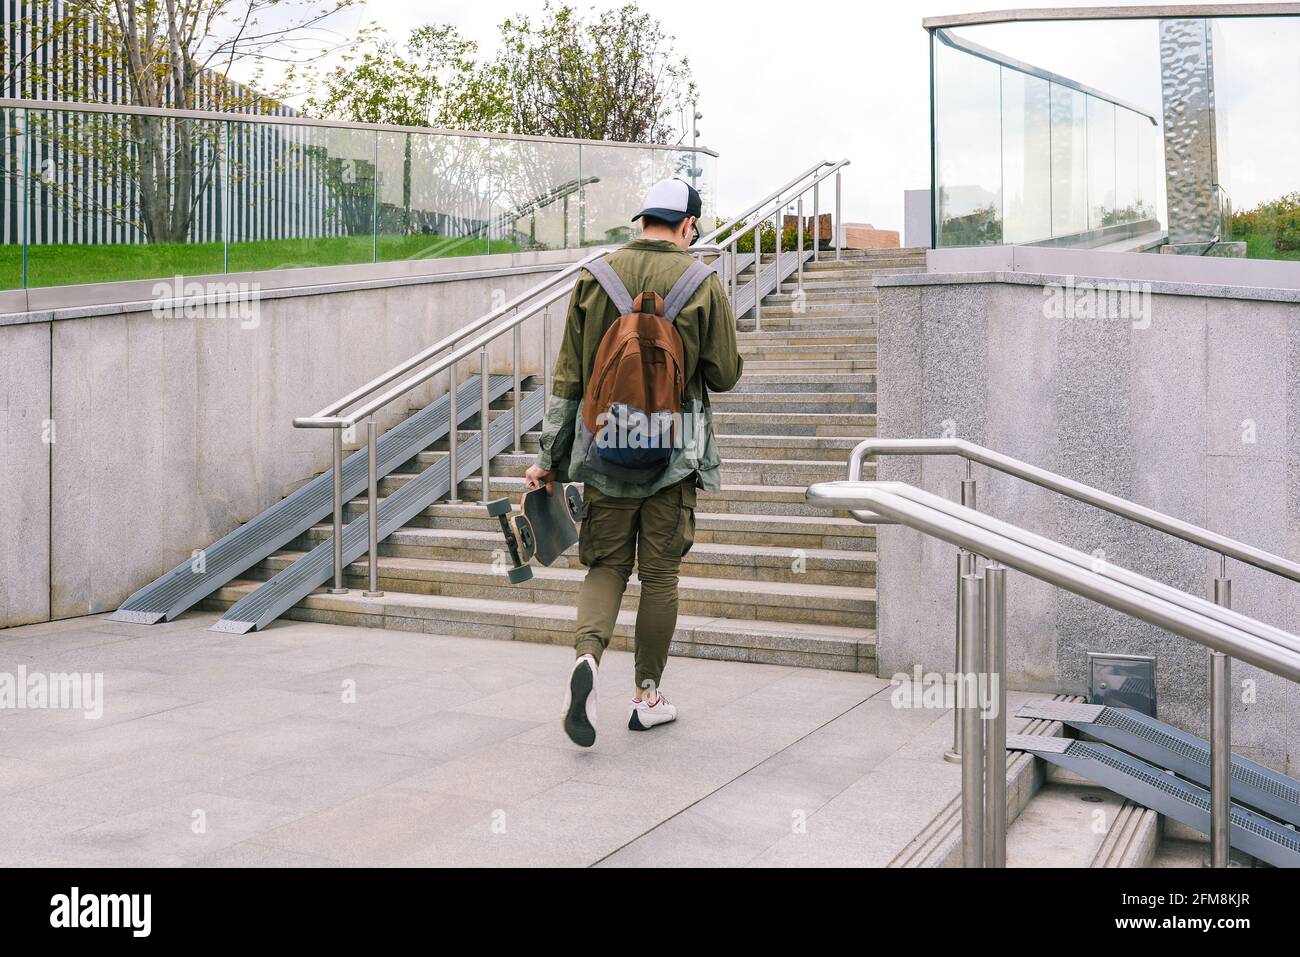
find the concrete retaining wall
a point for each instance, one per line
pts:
(127, 440)
(1196, 414)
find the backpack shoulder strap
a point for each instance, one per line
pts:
(682, 291)
(613, 286)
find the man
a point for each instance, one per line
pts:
(650, 520)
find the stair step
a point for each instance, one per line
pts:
(834, 648)
(790, 602)
(815, 566)
(796, 423)
(737, 515)
(795, 402)
(842, 382)
(812, 366)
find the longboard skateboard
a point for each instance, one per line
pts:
(545, 527)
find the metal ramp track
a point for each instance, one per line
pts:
(744, 304)
(1185, 754)
(230, 556)
(1164, 793)
(274, 597)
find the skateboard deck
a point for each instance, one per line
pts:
(545, 527)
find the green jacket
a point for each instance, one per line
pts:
(708, 331)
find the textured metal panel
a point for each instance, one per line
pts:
(276, 596)
(1038, 743)
(1064, 711)
(1189, 756)
(232, 627)
(1170, 795)
(136, 617)
(284, 521)
(745, 294)
(1187, 92)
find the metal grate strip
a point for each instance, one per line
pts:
(230, 556)
(1172, 796)
(276, 596)
(1185, 754)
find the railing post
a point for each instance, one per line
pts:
(372, 518)
(339, 587)
(546, 355)
(837, 225)
(817, 223)
(484, 424)
(758, 275)
(453, 436)
(519, 392)
(972, 732)
(965, 566)
(995, 725)
(777, 247)
(1221, 737)
(799, 240)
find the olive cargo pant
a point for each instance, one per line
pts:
(655, 532)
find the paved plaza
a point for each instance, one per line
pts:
(312, 744)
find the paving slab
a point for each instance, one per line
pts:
(317, 744)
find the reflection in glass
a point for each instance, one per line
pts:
(13, 206)
(1069, 161)
(1026, 158)
(300, 196)
(115, 197)
(1101, 163)
(968, 148)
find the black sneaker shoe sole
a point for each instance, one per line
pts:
(634, 722)
(576, 725)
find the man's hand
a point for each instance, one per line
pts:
(536, 477)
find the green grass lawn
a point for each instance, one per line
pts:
(60, 265)
(1261, 247)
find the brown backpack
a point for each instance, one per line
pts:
(634, 396)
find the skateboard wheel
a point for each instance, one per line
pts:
(574, 500)
(498, 507)
(520, 574)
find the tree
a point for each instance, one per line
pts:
(613, 77)
(175, 54)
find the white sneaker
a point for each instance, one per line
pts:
(580, 703)
(645, 715)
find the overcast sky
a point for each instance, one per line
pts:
(784, 84)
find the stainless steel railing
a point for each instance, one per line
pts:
(361, 405)
(773, 206)
(1219, 666)
(982, 649)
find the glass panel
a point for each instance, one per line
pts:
(968, 147)
(301, 196)
(1069, 161)
(1127, 133)
(12, 199)
(615, 179)
(1101, 163)
(535, 194)
(1026, 158)
(118, 197)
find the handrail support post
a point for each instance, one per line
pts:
(972, 732)
(1221, 737)
(995, 723)
(484, 425)
(372, 516)
(340, 588)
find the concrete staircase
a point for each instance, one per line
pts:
(807, 396)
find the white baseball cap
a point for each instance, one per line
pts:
(671, 200)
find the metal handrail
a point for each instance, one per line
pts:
(362, 404)
(1176, 527)
(271, 119)
(982, 641)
